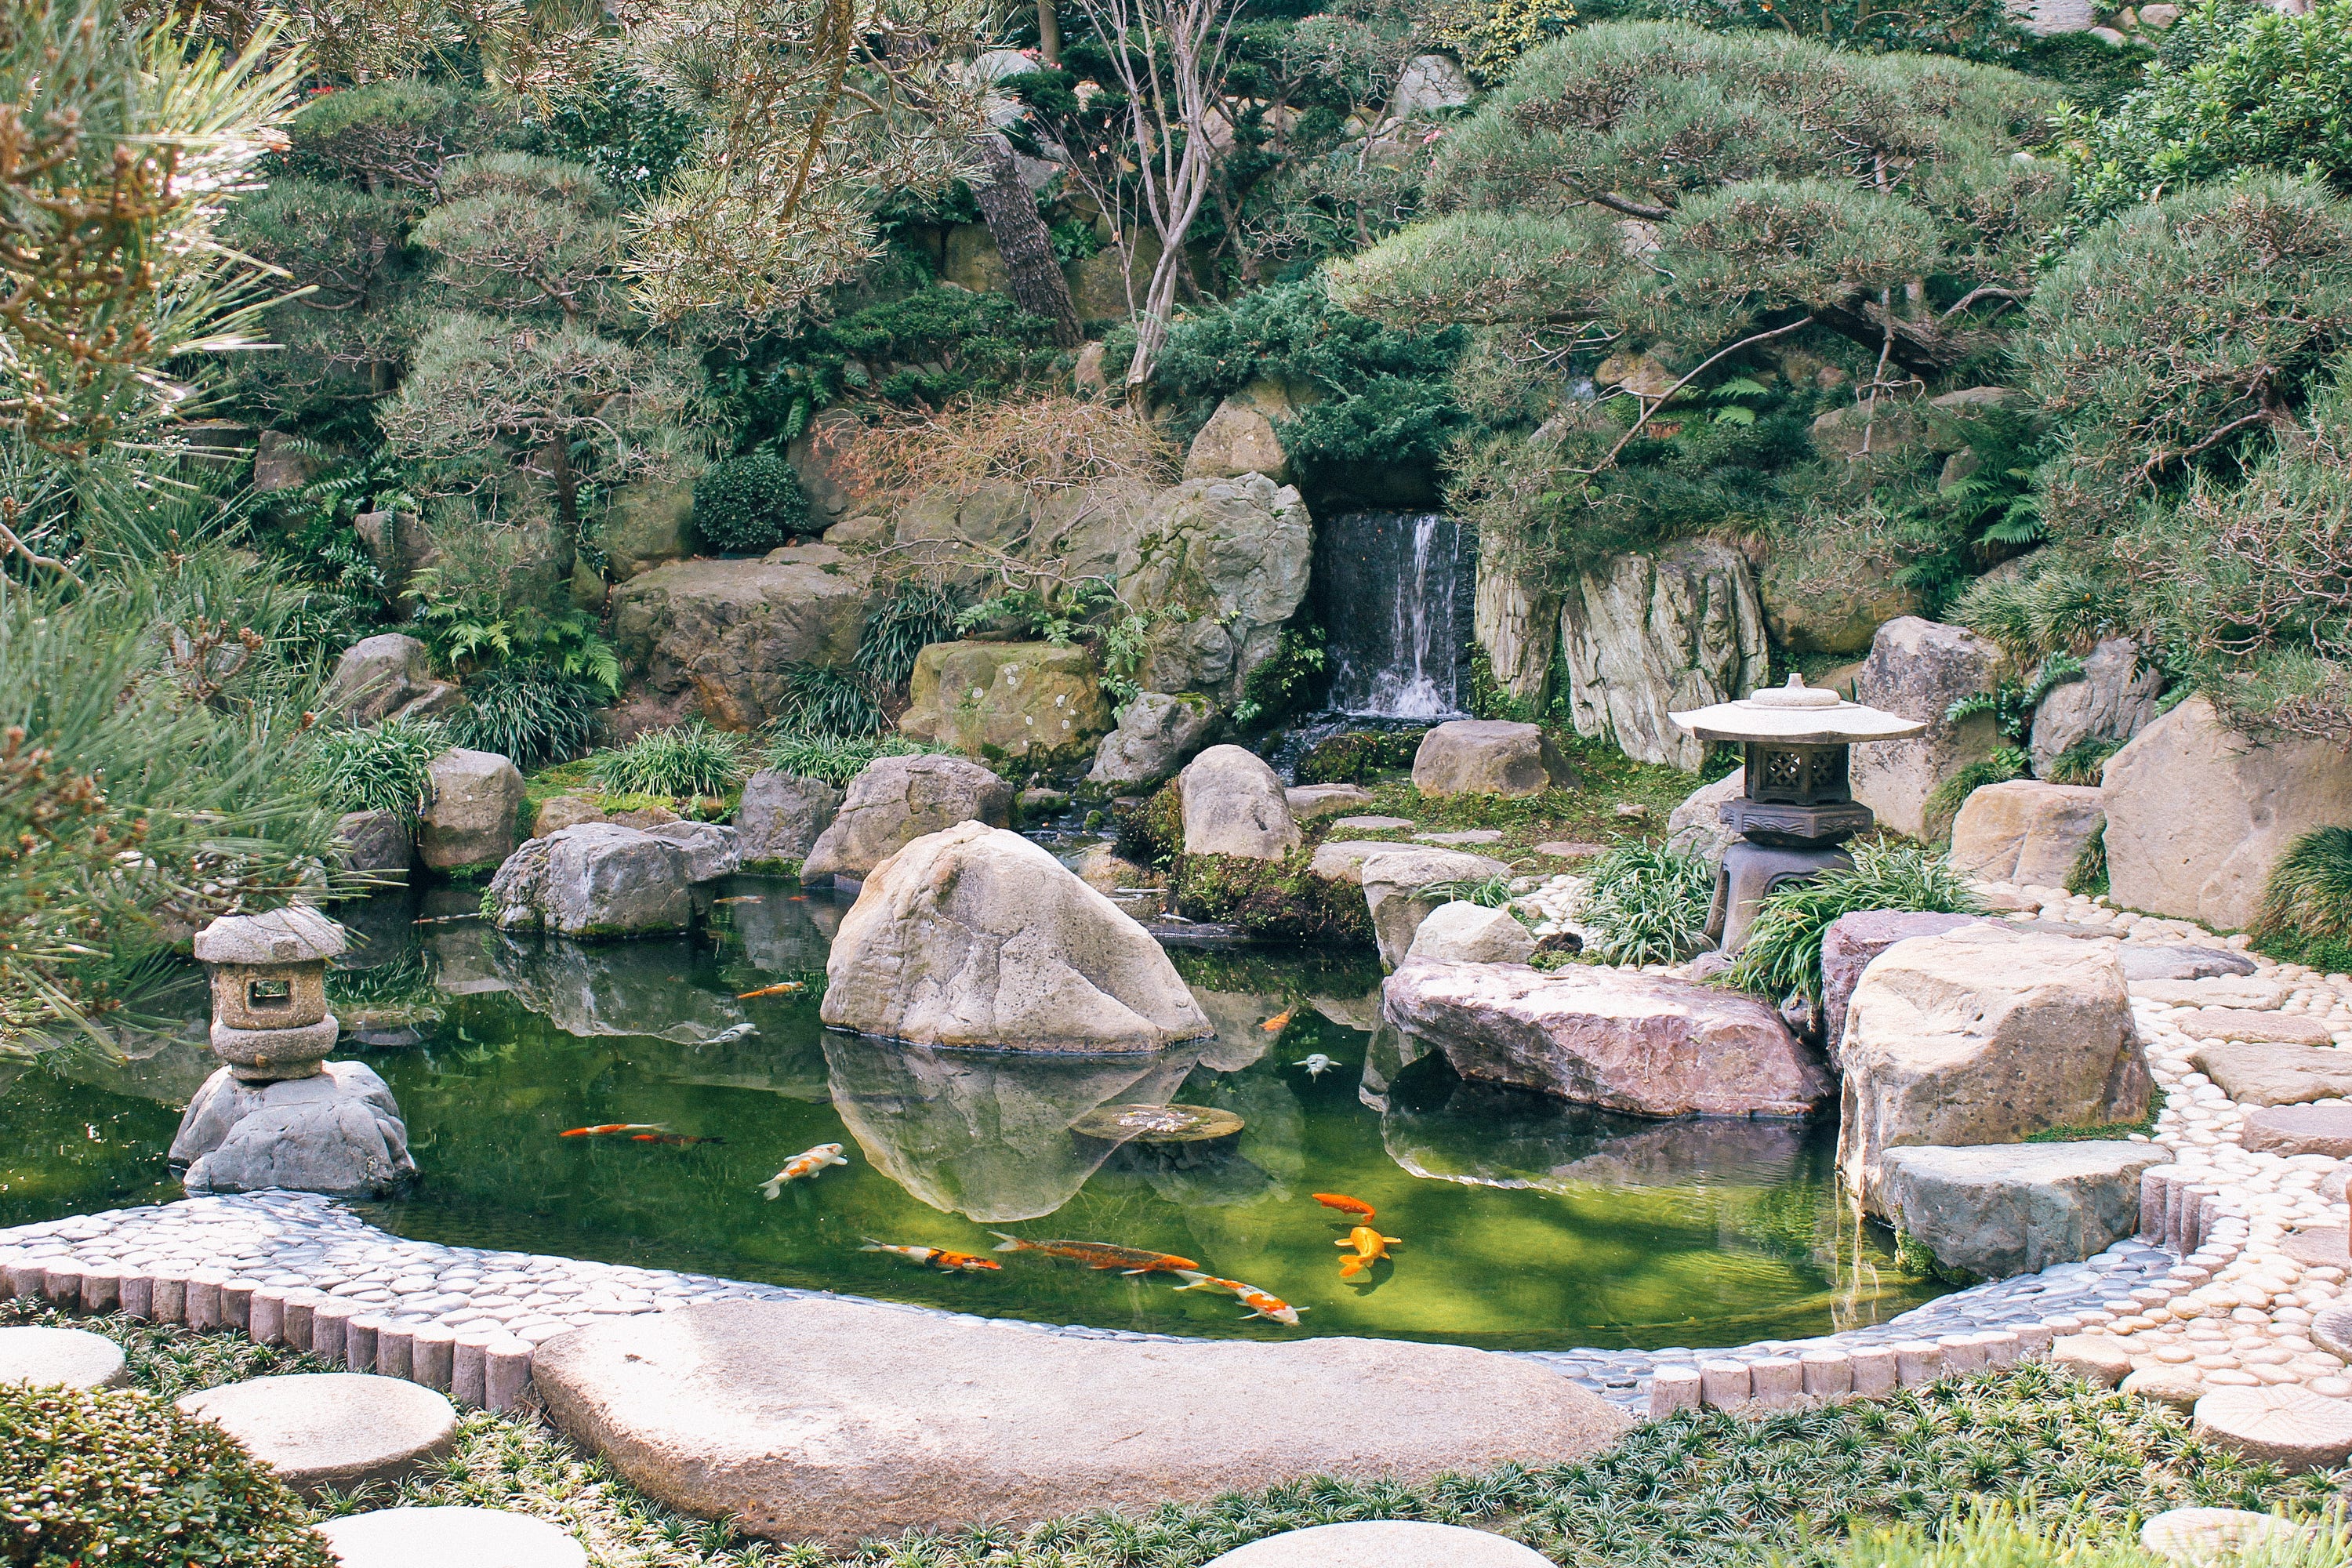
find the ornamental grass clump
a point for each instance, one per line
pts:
(380, 767)
(2306, 912)
(1783, 951)
(837, 759)
(531, 713)
(1647, 904)
(685, 760)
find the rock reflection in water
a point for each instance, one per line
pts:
(616, 988)
(787, 932)
(986, 1134)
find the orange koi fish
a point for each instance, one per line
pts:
(609, 1128)
(1261, 1303)
(1370, 1248)
(1101, 1254)
(782, 988)
(1344, 1204)
(1281, 1020)
(679, 1140)
(935, 1257)
(804, 1164)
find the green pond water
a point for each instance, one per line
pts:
(1527, 1224)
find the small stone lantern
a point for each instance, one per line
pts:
(1795, 807)
(269, 992)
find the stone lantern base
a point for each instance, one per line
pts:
(1749, 872)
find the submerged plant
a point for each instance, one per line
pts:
(1783, 951)
(688, 759)
(1647, 904)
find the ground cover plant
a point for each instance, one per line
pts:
(1647, 903)
(689, 759)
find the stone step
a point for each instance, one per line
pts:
(60, 1358)
(473, 1537)
(1381, 1543)
(331, 1429)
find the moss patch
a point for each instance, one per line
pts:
(1273, 900)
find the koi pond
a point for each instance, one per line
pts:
(1524, 1223)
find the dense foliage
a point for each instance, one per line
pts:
(377, 767)
(680, 762)
(1646, 904)
(2306, 911)
(530, 713)
(750, 503)
(1783, 955)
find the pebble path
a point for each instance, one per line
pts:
(300, 1270)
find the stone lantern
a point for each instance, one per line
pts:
(1795, 809)
(270, 991)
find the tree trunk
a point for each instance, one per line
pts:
(1036, 281)
(1049, 35)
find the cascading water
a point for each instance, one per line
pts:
(1393, 589)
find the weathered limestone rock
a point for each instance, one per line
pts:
(896, 801)
(1867, 433)
(1393, 876)
(2290, 1130)
(1312, 803)
(1026, 703)
(1648, 635)
(1233, 804)
(1464, 932)
(1918, 669)
(1982, 1036)
(711, 849)
(1381, 1543)
(1634, 1043)
(1428, 83)
(822, 1419)
(597, 880)
(470, 820)
(60, 1358)
(2229, 988)
(647, 523)
(374, 841)
(1516, 619)
(1240, 438)
(1999, 1209)
(333, 1428)
(2196, 815)
(2259, 1074)
(337, 1132)
(2114, 701)
(780, 816)
(2025, 831)
(1489, 756)
(1342, 859)
(377, 675)
(477, 1537)
(1233, 553)
(729, 630)
(1157, 734)
(1848, 946)
(1696, 825)
(974, 936)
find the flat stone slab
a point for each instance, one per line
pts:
(2288, 1425)
(1570, 850)
(1999, 1209)
(2299, 1130)
(2223, 991)
(2331, 1331)
(839, 1420)
(2146, 962)
(1372, 823)
(2178, 1386)
(332, 1428)
(59, 1358)
(474, 1537)
(1309, 802)
(1467, 836)
(2101, 1358)
(2319, 1246)
(2203, 1534)
(1382, 1543)
(2259, 1074)
(2241, 1023)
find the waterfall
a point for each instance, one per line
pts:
(1393, 588)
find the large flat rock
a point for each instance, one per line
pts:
(837, 1420)
(1999, 1209)
(2292, 1129)
(2258, 1074)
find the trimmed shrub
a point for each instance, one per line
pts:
(95, 1475)
(530, 712)
(384, 767)
(685, 759)
(1647, 904)
(749, 503)
(1783, 953)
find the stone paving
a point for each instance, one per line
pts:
(2233, 1311)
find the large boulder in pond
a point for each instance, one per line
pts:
(470, 820)
(975, 936)
(597, 880)
(375, 842)
(1234, 805)
(896, 801)
(2025, 831)
(1031, 704)
(823, 1419)
(2197, 814)
(780, 816)
(731, 631)
(1157, 734)
(337, 1132)
(1639, 1044)
(1997, 1209)
(1918, 668)
(1488, 756)
(1983, 1035)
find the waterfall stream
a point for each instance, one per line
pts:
(1394, 588)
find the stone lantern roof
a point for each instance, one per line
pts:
(1795, 714)
(295, 935)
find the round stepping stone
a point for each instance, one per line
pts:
(332, 1428)
(2331, 1331)
(2098, 1357)
(2286, 1424)
(2299, 1130)
(1382, 1543)
(477, 1537)
(2202, 1534)
(2179, 1388)
(66, 1357)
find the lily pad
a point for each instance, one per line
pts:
(1157, 1123)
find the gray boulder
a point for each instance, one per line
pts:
(1646, 635)
(1234, 805)
(1696, 825)
(975, 936)
(1428, 83)
(1157, 735)
(711, 850)
(2150, 961)
(337, 1132)
(822, 1419)
(377, 675)
(470, 821)
(1464, 932)
(647, 523)
(731, 631)
(2114, 701)
(782, 816)
(597, 880)
(1394, 879)
(375, 842)
(896, 801)
(2025, 831)
(2197, 815)
(1240, 436)
(1234, 552)
(1918, 668)
(1998, 1209)
(1488, 756)
(1983, 1036)
(1639, 1044)
(1848, 946)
